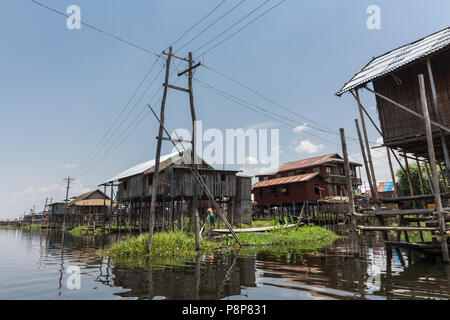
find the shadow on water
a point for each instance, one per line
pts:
(34, 265)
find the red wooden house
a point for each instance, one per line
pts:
(307, 180)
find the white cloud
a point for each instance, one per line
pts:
(251, 160)
(301, 128)
(308, 147)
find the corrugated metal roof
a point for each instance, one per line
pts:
(307, 163)
(140, 168)
(286, 180)
(165, 161)
(397, 58)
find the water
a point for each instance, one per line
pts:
(34, 265)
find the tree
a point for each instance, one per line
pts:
(403, 184)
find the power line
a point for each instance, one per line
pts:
(248, 24)
(196, 24)
(124, 120)
(131, 127)
(255, 108)
(211, 24)
(120, 114)
(232, 26)
(97, 29)
(325, 130)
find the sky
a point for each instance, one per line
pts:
(62, 89)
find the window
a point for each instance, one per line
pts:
(285, 190)
(328, 170)
(273, 192)
(317, 190)
(261, 193)
(150, 179)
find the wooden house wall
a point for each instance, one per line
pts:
(298, 192)
(397, 124)
(177, 182)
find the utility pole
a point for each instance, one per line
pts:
(158, 155)
(68, 179)
(194, 160)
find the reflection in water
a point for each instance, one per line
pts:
(33, 265)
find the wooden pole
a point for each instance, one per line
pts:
(194, 160)
(439, 118)
(435, 178)
(158, 155)
(363, 152)
(369, 154)
(348, 179)
(391, 169)
(419, 171)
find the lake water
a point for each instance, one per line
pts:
(41, 265)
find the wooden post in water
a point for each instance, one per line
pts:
(435, 178)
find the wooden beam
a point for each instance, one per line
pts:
(406, 108)
(175, 87)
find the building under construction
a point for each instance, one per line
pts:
(411, 85)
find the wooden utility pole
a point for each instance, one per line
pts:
(193, 157)
(158, 155)
(435, 178)
(68, 179)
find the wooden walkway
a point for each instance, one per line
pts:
(252, 230)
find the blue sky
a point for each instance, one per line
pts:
(62, 89)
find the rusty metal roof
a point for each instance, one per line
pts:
(286, 180)
(398, 58)
(308, 163)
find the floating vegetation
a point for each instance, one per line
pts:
(181, 245)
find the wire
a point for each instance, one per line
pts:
(325, 130)
(120, 114)
(97, 29)
(136, 121)
(123, 121)
(248, 24)
(211, 24)
(201, 20)
(255, 108)
(232, 26)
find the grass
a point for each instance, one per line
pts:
(81, 230)
(314, 236)
(182, 245)
(164, 245)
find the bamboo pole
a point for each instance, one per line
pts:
(435, 180)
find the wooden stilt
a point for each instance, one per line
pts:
(432, 156)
